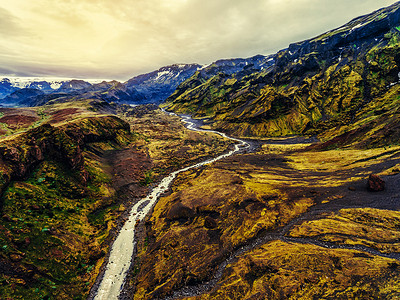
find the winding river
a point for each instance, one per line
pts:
(123, 248)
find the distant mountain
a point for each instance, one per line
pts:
(74, 85)
(46, 85)
(21, 96)
(42, 85)
(6, 88)
(160, 84)
(324, 84)
(152, 87)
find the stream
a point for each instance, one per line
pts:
(123, 248)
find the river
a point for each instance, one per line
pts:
(122, 250)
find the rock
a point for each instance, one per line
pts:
(34, 207)
(210, 223)
(179, 211)
(7, 218)
(15, 257)
(375, 183)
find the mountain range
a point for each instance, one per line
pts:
(310, 87)
(153, 87)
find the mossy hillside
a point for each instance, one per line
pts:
(58, 207)
(215, 210)
(315, 86)
(373, 228)
(375, 125)
(45, 233)
(279, 270)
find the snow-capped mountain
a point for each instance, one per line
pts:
(45, 84)
(6, 87)
(158, 85)
(153, 87)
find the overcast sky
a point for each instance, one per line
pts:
(116, 39)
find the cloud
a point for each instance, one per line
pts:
(9, 24)
(108, 38)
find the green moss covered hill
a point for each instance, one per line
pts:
(333, 81)
(56, 207)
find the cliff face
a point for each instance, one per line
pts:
(64, 143)
(309, 87)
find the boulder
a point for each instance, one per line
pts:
(375, 183)
(179, 211)
(210, 223)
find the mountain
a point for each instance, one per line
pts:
(45, 86)
(21, 96)
(160, 84)
(156, 86)
(73, 85)
(6, 88)
(152, 87)
(325, 83)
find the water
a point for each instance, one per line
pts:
(122, 250)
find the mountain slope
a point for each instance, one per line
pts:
(311, 86)
(159, 85)
(21, 96)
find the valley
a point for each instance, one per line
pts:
(247, 230)
(268, 177)
(59, 214)
(286, 200)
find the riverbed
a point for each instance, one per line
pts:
(123, 249)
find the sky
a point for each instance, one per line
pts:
(117, 39)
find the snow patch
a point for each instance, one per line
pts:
(55, 85)
(161, 74)
(357, 26)
(203, 67)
